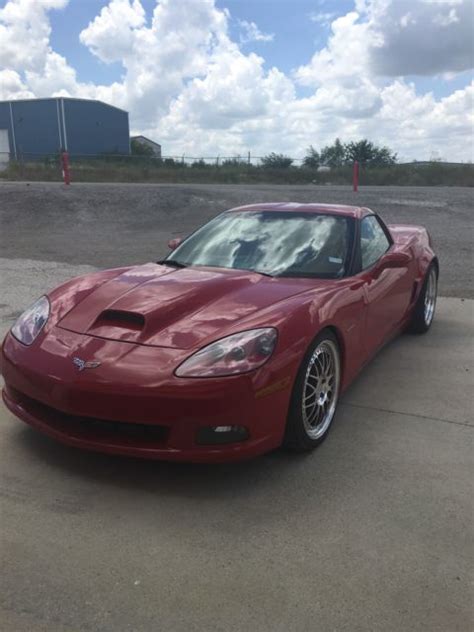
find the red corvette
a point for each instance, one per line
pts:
(241, 340)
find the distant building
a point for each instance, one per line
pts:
(143, 140)
(42, 127)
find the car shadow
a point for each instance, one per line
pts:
(163, 477)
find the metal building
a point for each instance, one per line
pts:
(42, 127)
(143, 140)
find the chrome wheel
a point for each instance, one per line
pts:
(321, 389)
(430, 296)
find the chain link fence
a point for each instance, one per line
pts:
(245, 168)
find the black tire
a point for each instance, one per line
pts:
(423, 312)
(297, 434)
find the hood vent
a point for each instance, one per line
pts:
(119, 318)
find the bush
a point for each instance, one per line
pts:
(237, 161)
(276, 161)
(200, 164)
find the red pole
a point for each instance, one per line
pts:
(66, 169)
(355, 176)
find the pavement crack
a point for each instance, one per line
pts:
(399, 412)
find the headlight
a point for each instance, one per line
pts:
(31, 322)
(235, 354)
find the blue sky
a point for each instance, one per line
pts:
(296, 36)
(255, 75)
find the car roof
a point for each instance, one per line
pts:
(356, 212)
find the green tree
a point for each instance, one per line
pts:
(140, 149)
(333, 155)
(367, 153)
(385, 156)
(312, 159)
(276, 161)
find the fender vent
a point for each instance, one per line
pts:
(118, 318)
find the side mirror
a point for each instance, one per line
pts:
(395, 259)
(174, 243)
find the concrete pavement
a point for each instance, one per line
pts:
(372, 531)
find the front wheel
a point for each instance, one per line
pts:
(424, 310)
(315, 395)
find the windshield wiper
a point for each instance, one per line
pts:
(172, 263)
(178, 264)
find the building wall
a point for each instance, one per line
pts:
(96, 128)
(42, 127)
(149, 143)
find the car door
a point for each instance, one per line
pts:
(387, 282)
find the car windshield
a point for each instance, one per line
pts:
(278, 243)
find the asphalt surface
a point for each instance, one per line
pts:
(373, 531)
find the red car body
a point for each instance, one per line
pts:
(134, 404)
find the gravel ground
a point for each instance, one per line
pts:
(107, 225)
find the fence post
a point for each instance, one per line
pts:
(355, 176)
(65, 167)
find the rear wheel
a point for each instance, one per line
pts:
(423, 313)
(315, 395)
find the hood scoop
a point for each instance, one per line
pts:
(121, 319)
(118, 324)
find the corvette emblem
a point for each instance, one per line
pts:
(82, 364)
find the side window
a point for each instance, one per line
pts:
(373, 241)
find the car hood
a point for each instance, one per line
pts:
(179, 308)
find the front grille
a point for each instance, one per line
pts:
(92, 427)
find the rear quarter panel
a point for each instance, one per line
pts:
(416, 241)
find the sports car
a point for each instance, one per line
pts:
(241, 340)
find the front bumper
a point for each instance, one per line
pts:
(133, 404)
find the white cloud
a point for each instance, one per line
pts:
(407, 19)
(322, 17)
(111, 35)
(251, 33)
(344, 57)
(445, 19)
(159, 58)
(24, 33)
(54, 77)
(187, 84)
(12, 87)
(420, 38)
